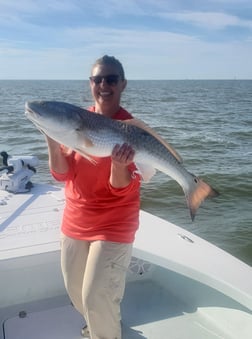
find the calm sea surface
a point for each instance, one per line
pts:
(208, 122)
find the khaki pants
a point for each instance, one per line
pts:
(94, 275)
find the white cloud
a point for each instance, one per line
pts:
(213, 20)
(157, 55)
(31, 6)
(40, 39)
(123, 37)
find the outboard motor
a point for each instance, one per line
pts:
(16, 172)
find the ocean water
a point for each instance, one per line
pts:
(209, 123)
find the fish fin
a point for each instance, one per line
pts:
(146, 171)
(139, 123)
(86, 156)
(87, 142)
(197, 193)
(66, 151)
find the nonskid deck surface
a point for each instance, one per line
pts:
(148, 311)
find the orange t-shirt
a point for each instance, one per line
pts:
(94, 209)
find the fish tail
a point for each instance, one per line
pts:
(197, 193)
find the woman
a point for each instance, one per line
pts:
(101, 214)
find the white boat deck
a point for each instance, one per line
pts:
(148, 312)
(179, 287)
(29, 222)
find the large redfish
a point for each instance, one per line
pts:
(94, 135)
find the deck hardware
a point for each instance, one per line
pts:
(139, 266)
(22, 314)
(184, 237)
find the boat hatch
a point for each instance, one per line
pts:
(58, 323)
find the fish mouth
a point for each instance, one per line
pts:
(33, 116)
(28, 110)
(41, 120)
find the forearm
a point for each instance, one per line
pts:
(122, 156)
(120, 176)
(57, 160)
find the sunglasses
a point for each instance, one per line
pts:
(111, 79)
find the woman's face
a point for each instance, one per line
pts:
(106, 88)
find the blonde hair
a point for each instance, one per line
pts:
(111, 60)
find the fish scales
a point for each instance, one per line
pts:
(95, 135)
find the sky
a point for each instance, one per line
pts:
(154, 39)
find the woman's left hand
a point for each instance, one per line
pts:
(123, 155)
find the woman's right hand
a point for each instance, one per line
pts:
(57, 155)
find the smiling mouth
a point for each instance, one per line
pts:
(105, 94)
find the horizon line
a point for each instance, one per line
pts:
(182, 79)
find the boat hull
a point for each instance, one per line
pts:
(178, 285)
